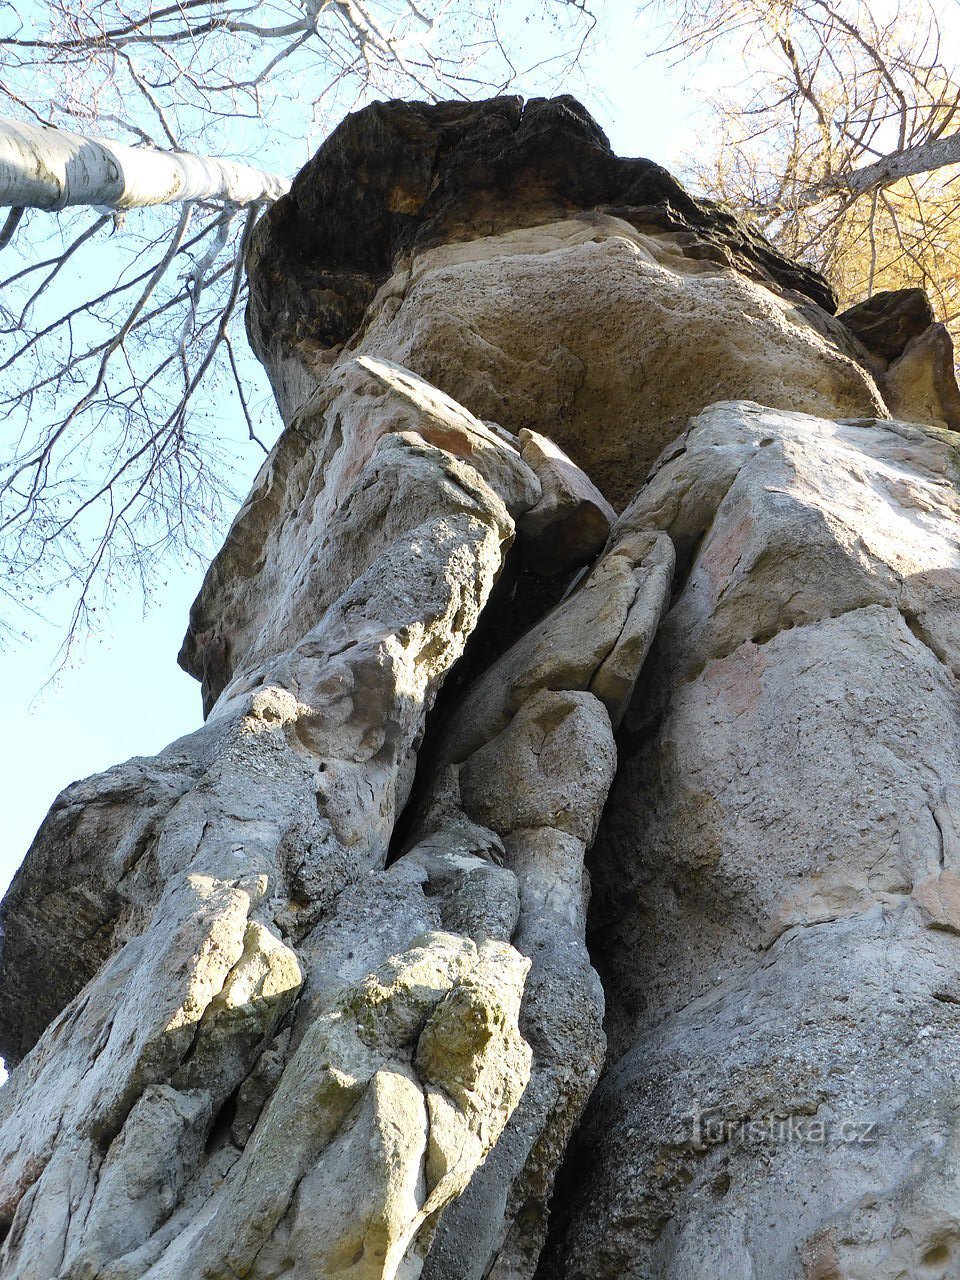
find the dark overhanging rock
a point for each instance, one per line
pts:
(402, 197)
(888, 320)
(401, 177)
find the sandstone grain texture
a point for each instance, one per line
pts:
(502, 251)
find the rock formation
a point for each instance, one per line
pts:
(595, 542)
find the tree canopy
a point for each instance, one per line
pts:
(842, 138)
(121, 280)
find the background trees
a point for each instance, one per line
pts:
(123, 379)
(841, 137)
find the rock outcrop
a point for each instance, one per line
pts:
(593, 542)
(913, 355)
(504, 253)
(773, 916)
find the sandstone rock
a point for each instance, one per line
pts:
(398, 1093)
(534, 758)
(309, 993)
(815, 1140)
(375, 452)
(917, 372)
(921, 386)
(570, 523)
(400, 178)
(938, 898)
(244, 910)
(285, 797)
(511, 259)
(776, 855)
(886, 322)
(74, 888)
(596, 639)
(540, 771)
(577, 330)
(540, 784)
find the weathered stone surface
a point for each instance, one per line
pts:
(64, 906)
(240, 913)
(916, 369)
(350, 694)
(777, 858)
(921, 386)
(399, 178)
(540, 785)
(309, 993)
(520, 775)
(889, 320)
(511, 259)
(286, 797)
(397, 1092)
(607, 339)
(596, 639)
(359, 467)
(572, 520)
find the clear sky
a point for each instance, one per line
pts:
(124, 694)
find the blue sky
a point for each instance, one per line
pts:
(123, 693)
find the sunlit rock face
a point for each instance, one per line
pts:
(774, 912)
(519, 265)
(592, 551)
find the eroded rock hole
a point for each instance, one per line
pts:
(219, 1134)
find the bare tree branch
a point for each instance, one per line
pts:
(925, 157)
(122, 363)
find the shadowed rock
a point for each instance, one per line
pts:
(886, 322)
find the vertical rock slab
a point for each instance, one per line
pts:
(114, 1155)
(571, 522)
(530, 756)
(281, 1020)
(774, 906)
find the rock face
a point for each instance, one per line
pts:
(513, 261)
(774, 911)
(320, 990)
(914, 357)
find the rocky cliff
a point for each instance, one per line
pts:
(597, 550)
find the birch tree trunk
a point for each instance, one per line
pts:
(47, 168)
(926, 157)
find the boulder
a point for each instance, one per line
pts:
(888, 320)
(511, 259)
(572, 520)
(921, 384)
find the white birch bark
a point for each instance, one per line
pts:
(923, 158)
(47, 168)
